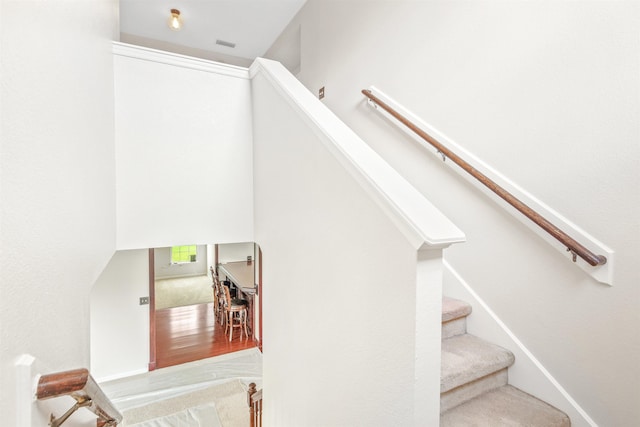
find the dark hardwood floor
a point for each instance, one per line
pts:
(185, 334)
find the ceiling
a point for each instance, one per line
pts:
(252, 25)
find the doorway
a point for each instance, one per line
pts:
(183, 327)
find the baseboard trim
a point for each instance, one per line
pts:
(121, 375)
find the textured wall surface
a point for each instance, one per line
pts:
(57, 168)
(547, 93)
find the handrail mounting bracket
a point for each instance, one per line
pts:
(55, 422)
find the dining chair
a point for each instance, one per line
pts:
(218, 301)
(235, 314)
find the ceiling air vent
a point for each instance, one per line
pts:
(224, 43)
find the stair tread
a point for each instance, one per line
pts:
(505, 406)
(466, 358)
(454, 309)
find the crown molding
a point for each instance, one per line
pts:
(168, 58)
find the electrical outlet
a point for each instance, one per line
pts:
(321, 93)
(144, 300)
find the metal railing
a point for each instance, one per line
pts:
(571, 244)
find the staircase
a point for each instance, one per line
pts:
(474, 389)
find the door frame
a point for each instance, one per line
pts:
(152, 310)
(259, 293)
(152, 303)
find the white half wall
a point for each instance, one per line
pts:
(57, 168)
(183, 150)
(344, 272)
(338, 327)
(119, 324)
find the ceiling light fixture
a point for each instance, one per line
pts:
(175, 22)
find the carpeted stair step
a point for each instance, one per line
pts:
(504, 406)
(454, 317)
(470, 367)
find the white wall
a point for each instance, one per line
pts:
(57, 168)
(119, 324)
(231, 252)
(165, 269)
(548, 94)
(183, 150)
(339, 325)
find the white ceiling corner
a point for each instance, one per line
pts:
(253, 25)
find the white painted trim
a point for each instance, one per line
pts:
(121, 375)
(428, 337)
(421, 222)
(168, 58)
(25, 389)
(603, 273)
(480, 307)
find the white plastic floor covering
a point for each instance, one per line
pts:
(174, 381)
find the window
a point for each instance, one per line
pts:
(182, 254)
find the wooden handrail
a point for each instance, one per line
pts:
(81, 386)
(254, 399)
(572, 245)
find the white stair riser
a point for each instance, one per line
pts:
(454, 327)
